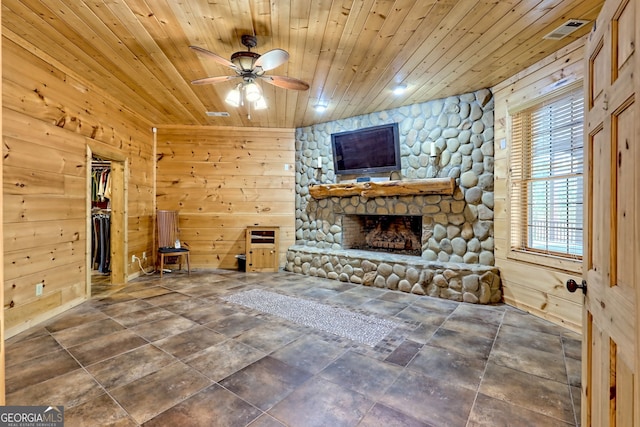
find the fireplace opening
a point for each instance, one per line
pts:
(383, 233)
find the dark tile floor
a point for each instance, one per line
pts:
(171, 352)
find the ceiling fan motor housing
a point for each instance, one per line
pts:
(244, 60)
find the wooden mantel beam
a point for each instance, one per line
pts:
(371, 189)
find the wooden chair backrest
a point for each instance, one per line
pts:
(167, 228)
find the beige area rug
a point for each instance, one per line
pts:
(364, 329)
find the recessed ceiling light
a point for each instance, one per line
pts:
(399, 89)
(320, 108)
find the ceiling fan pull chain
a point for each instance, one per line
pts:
(244, 93)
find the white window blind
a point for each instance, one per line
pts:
(546, 177)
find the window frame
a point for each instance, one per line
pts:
(570, 263)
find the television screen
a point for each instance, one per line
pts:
(369, 150)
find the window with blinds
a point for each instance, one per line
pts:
(546, 177)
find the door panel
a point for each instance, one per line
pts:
(624, 386)
(623, 128)
(612, 255)
(597, 256)
(623, 37)
(597, 71)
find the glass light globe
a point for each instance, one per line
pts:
(233, 97)
(252, 92)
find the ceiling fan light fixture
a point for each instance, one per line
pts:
(399, 89)
(234, 97)
(252, 92)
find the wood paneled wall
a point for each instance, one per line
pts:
(538, 289)
(49, 118)
(223, 179)
(2, 334)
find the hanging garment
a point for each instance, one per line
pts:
(107, 186)
(101, 243)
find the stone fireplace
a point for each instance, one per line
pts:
(428, 244)
(370, 238)
(435, 227)
(400, 234)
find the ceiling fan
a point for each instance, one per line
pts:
(250, 66)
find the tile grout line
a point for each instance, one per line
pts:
(84, 368)
(484, 371)
(577, 417)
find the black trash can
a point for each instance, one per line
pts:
(242, 262)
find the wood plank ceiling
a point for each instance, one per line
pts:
(351, 52)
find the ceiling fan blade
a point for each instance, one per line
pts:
(219, 59)
(286, 82)
(212, 80)
(272, 59)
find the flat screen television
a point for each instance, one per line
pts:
(366, 151)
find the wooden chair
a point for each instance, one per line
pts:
(168, 236)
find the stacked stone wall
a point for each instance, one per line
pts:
(457, 229)
(461, 127)
(475, 284)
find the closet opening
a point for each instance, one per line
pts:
(106, 222)
(100, 225)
